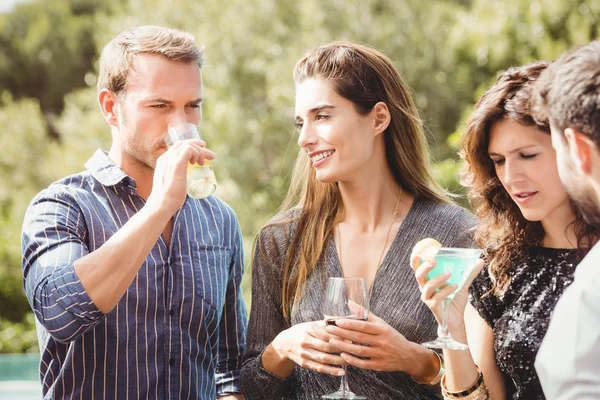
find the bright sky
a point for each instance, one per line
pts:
(7, 5)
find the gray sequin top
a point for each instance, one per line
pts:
(520, 317)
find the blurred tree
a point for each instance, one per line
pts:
(487, 39)
(46, 50)
(22, 174)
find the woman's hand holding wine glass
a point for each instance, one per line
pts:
(372, 344)
(307, 345)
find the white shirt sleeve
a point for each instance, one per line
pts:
(568, 362)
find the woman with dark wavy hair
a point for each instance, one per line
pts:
(533, 237)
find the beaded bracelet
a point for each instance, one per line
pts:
(477, 391)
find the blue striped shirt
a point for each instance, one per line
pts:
(178, 332)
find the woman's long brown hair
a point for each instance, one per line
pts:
(365, 77)
(503, 232)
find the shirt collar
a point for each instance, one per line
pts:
(105, 171)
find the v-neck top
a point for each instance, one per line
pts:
(394, 297)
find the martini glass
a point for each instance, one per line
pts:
(460, 263)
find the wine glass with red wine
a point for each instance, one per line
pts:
(345, 298)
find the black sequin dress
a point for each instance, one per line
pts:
(520, 317)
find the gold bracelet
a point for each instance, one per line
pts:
(477, 391)
(481, 393)
(440, 373)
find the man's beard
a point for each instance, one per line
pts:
(589, 209)
(134, 145)
(581, 192)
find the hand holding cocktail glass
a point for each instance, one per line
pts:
(444, 276)
(201, 181)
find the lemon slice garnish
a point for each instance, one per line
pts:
(427, 248)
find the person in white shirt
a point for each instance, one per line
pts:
(568, 94)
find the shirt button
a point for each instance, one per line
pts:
(171, 361)
(171, 313)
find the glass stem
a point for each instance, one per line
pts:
(344, 389)
(443, 327)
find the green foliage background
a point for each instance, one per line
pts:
(50, 124)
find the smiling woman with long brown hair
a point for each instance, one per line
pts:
(360, 198)
(533, 236)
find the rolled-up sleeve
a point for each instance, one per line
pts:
(53, 239)
(234, 323)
